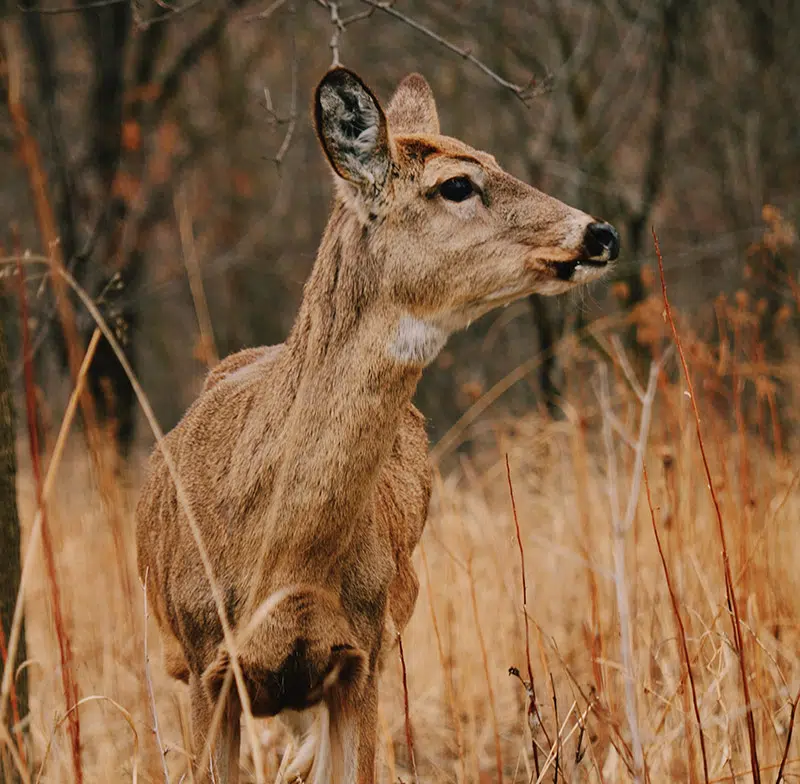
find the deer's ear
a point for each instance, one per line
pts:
(413, 107)
(352, 129)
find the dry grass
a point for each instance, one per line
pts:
(471, 721)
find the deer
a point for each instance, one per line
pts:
(305, 464)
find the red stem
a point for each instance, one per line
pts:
(70, 687)
(681, 629)
(409, 735)
(730, 593)
(533, 707)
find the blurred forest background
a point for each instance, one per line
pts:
(163, 152)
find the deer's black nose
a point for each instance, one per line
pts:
(601, 242)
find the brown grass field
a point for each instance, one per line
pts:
(606, 701)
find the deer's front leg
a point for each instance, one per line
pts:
(354, 730)
(224, 753)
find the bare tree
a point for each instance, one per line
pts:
(109, 199)
(678, 114)
(10, 563)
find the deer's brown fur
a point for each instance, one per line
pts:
(306, 464)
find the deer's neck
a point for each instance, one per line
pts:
(349, 394)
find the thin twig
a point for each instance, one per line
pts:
(409, 735)
(125, 715)
(620, 429)
(183, 499)
(19, 763)
(681, 629)
(68, 682)
(447, 670)
(498, 752)
(287, 139)
(729, 586)
(788, 744)
(210, 355)
(579, 750)
(533, 708)
(69, 9)
(144, 24)
(266, 13)
(338, 29)
(558, 737)
(625, 364)
(205, 761)
(358, 17)
(523, 93)
(15, 725)
(561, 738)
(150, 691)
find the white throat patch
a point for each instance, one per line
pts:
(416, 341)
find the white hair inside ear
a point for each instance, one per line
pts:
(353, 130)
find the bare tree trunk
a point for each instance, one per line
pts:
(9, 536)
(10, 546)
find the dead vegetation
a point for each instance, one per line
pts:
(641, 646)
(659, 572)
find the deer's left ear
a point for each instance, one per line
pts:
(352, 129)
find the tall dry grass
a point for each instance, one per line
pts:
(617, 605)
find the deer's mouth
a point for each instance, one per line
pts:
(567, 270)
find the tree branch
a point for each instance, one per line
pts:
(524, 93)
(71, 9)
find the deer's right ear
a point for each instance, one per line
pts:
(352, 129)
(413, 107)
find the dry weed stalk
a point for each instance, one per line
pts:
(409, 733)
(150, 691)
(182, 499)
(788, 744)
(620, 528)
(68, 682)
(534, 718)
(20, 741)
(74, 709)
(208, 346)
(561, 738)
(498, 752)
(43, 495)
(446, 669)
(450, 441)
(19, 762)
(11, 535)
(579, 451)
(690, 524)
(729, 585)
(681, 630)
(558, 737)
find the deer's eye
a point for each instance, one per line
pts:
(457, 189)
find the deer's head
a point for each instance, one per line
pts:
(453, 234)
